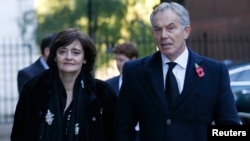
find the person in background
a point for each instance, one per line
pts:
(124, 52)
(203, 95)
(65, 102)
(39, 65)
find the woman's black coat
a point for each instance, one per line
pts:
(31, 109)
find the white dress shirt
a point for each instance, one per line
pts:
(43, 62)
(179, 70)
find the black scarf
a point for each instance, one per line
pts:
(83, 95)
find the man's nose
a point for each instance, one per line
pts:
(164, 33)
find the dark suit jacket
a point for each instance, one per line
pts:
(114, 83)
(28, 72)
(203, 100)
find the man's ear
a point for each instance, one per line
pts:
(187, 31)
(46, 51)
(133, 58)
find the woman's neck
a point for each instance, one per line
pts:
(68, 80)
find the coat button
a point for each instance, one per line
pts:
(168, 121)
(39, 113)
(93, 119)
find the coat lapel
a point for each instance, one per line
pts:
(191, 77)
(151, 75)
(152, 79)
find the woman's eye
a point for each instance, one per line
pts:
(61, 51)
(76, 52)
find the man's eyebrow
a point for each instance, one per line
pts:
(170, 24)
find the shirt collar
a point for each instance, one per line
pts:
(43, 62)
(181, 60)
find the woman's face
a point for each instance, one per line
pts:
(70, 58)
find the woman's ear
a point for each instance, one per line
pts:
(84, 62)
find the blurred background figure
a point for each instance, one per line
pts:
(39, 65)
(122, 52)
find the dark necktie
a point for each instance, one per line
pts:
(171, 89)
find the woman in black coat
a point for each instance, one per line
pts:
(65, 102)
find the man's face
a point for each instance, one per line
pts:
(120, 60)
(169, 33)
(46, 53)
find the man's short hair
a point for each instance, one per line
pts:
(46, 41)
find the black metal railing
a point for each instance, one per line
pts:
(15, 55)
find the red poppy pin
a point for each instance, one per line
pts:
(199, 70)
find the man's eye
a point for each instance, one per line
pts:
(171, 28)
(157, 29)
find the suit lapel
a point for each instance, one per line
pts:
(152, 79)
(151, 75)
(116, 84)
(38, 66)
(191, 77)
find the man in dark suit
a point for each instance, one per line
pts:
(39, 65)
(122, 52)
(203, 95)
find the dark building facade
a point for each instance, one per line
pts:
(219, 16)
(220, 28)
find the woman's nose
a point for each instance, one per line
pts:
(68, 55)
